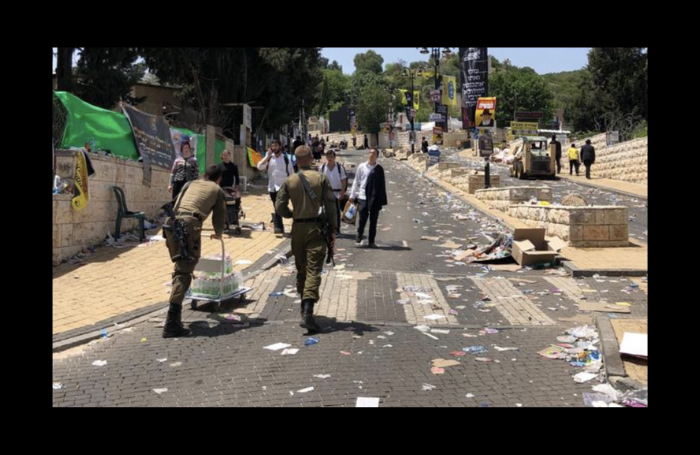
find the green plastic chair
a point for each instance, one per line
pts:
(123, 212)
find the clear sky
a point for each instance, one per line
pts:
(542, 59)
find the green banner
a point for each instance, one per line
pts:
(86, 123)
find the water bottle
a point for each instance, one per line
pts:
(351, 212)
(103, 333)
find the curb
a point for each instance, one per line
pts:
(83, 335)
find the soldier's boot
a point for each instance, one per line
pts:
(307, 317)
(173, 323)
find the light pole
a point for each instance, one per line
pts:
(435, 54)
(409, 106)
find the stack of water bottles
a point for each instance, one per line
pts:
(209, 284)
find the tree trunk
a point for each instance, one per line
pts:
(64, 74)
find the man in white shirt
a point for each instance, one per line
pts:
(279, 167)
(335, 173)
(369, 189)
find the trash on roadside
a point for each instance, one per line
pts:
(436, 370)
(290, 351)
(311, 341)
(308, 389)
(584, 376)
(58, 386)
(428, 387)
(277, 346)
(322, 376)
(367, 402)
(99, 363)
(475, 349)
(160, 391)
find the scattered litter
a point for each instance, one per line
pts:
(143, 340)
(469, 395)
(164, 359)
(444, 363)
(159, 391)
(469, 335)
(634, 344)
(277, 346)
(176, 364)
(475, 349)
(483, 359)
(458, 353)
(311, 341)
(58, 386)
(498, 348)
(434, 317)
(322, 376)
(603, 307)
(442, 331)
(436, 370)
(290, 351)
(99, 363)
(553, 352)
(431, 336)
(276, 294)
(584, 377)
(366, 402)
(308, 389)
(243, 262)
(403, 301)
(428, 387)
(345, 352)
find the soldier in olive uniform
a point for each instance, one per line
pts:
(194, 204)
(308, 245)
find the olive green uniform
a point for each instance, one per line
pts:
(308, 245)
(193, 206)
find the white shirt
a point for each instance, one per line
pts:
(276, 172)
(360, 181)
(334, 177)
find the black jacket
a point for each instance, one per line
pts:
(558, 149)
(587, 153)
(376, 189)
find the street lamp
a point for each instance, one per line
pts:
(409, 106)
(435, 54)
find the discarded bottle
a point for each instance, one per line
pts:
(103, 332)
(311, 341)
(351, 212)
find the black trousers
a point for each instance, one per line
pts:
(573, 164)
(588, 165)
(276, 218)
(373, 216)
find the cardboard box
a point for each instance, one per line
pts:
(530, 247)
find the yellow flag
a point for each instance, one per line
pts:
(80, 201)
(403, 96)
(416, 99)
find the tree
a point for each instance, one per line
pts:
(64, 69)
(338, 85)
(278, 79)
(612, 92)
(370, 61)
(106, 75)
(621, 73)
(373, 107)
(519, 88)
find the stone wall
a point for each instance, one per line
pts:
(503, 198)
(473, 182)
(626, 161)
(598, 226)
(73, 231)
